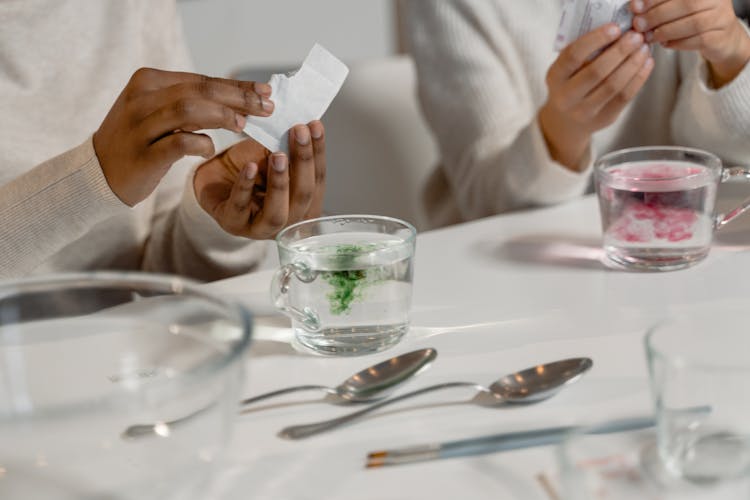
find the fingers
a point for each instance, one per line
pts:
(241, 99)
(149, 79)
(638, 6)
(319, 146)
(578, 53)
(190, 115)
(617, 85)
(604, 65)
(687, 27)
(658, 13)
(171, 148)
(302, 172)
(612, 109)
(275, 212)
(238, 208)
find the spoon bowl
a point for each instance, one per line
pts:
(527, 386)
(381, 380)
(536, 383)
(371, 384)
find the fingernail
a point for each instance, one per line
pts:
(262, 89)
(649, 37)
(613, 30)
(635, 39)
(241, 121)
(251, 171)
(302, 136)
(279, 162)
(316, 131)
(640, 23)
(267, 105)
(638, 6)
(644, 48)
(649, 63)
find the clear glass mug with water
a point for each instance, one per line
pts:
(657, 205)
(346, 282)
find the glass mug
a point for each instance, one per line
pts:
(657, 205)
(346, 282)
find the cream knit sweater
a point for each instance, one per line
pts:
(62, 65)
(482, 66)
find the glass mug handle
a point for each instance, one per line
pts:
(727, 174)
(280, 294)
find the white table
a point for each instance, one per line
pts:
(492, 296)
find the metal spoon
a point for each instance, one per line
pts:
(525, 387)
(371, 384)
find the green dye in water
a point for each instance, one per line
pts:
(347, 284)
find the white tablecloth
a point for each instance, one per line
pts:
(491, 296)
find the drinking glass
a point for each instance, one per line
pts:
(700, 380)
(657, 205)
(83, 357)
(624, 466)
(346, 282)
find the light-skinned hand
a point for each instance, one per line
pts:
(709, 27)
(153, 123)
(589, 84)
(253, 193)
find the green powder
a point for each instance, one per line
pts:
(347, 284)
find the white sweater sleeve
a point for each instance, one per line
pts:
(50, 206)
(717, 120)
(474, 94)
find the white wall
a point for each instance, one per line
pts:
(226, 34)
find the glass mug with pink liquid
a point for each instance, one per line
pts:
(657, 205)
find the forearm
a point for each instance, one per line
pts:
(499, 175)
(51, 206)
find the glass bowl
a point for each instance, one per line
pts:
(85, 357)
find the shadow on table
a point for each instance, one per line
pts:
(548, 249)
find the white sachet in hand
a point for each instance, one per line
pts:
(581, 16)
(301, 97)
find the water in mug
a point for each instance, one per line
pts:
(361, 291)
(657, 213)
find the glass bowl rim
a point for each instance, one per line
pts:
(179, 286)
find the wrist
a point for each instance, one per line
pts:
(564, 143)
(726, 69)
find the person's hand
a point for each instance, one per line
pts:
(254, 194)
(153, 123)
(588, 85)
(707, 26)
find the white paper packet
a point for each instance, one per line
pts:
(300, 97)
(581, 16)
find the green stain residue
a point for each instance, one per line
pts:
(347, 285)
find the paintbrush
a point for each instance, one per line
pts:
(497, 442)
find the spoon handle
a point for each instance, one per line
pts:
(280, 392)
(307, 430)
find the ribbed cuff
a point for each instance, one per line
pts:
(51, 206)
